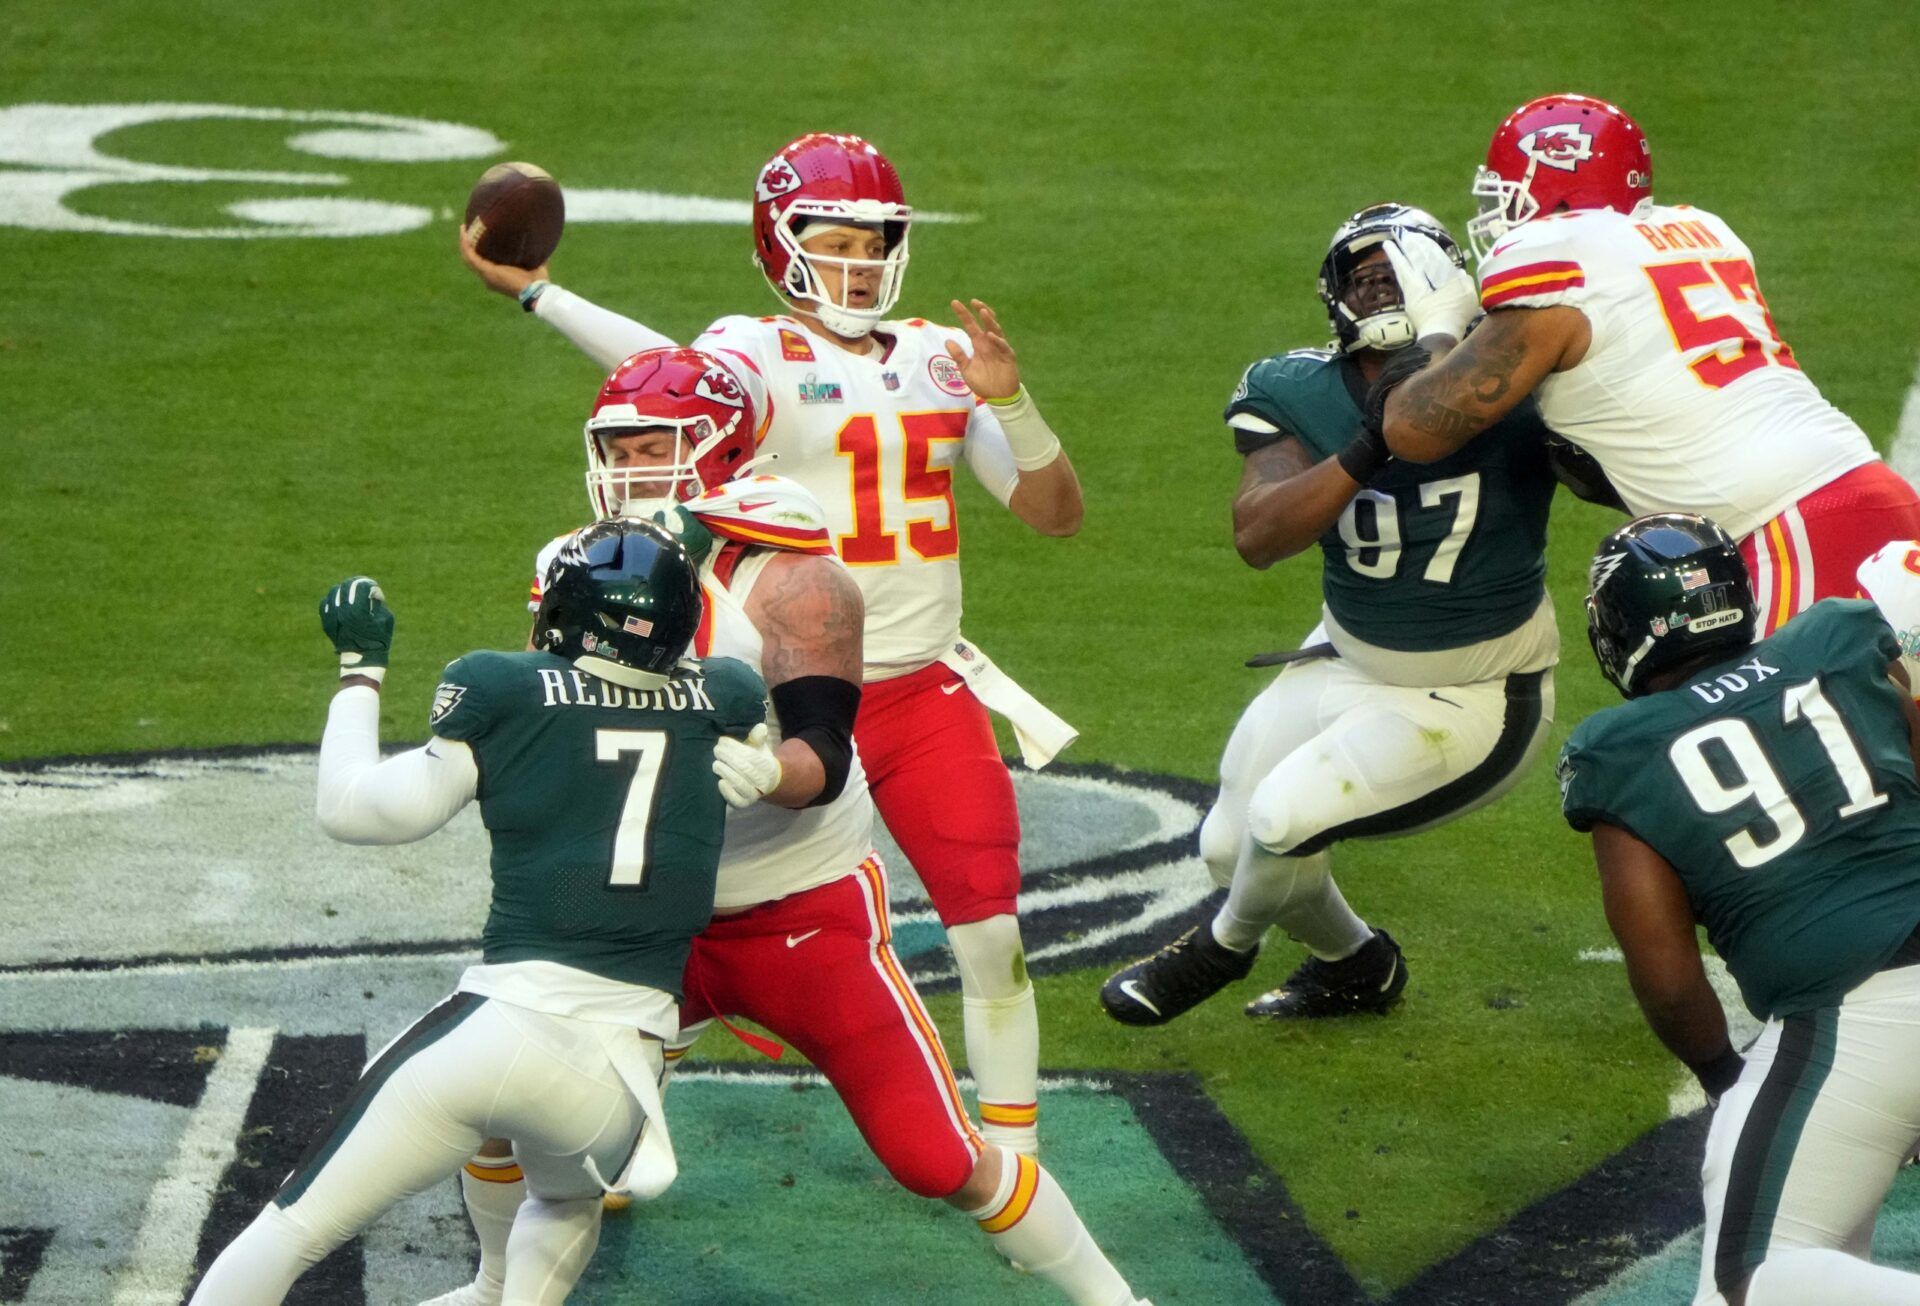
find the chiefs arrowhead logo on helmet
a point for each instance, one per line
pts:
(776, 179)
(1564, 146)
(721, 386)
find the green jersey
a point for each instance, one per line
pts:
(1780, 787)
(604, 814)
(1427, 556)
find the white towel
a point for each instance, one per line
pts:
(1040, 733)
(652, 1168)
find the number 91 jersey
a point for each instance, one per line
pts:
(1687, 395)
(1780, 787)
(876, 439)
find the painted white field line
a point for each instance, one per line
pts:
(764, 1079)
(163, 1253)
(1904, 453)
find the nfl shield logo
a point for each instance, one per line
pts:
(891, 380)
(637, 626)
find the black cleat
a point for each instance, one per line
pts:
(1175, 979)
(1370, 980)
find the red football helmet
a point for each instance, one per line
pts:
(694, 395)
(833, 181)
(1559, 152)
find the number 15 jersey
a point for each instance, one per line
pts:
(1779, 786)
(1687, 395)
(876, 439)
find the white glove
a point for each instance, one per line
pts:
(1440, 296)
(748, 771)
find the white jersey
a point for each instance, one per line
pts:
(1687, 396)
(1891, 578)
(876, 439)
(770, 851)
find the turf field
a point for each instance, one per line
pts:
(202, 432)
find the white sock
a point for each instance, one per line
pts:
(1033, 1224)
(1002, 1028)
(1296, 893)
(1815, 1276)
(551, 1245)
(494, 1190)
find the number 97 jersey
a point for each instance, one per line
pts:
(876, 439)
(1687, 395)
(1780, 787)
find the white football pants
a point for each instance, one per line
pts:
(1326, 753)
(470, 1069)
(1803, 1149)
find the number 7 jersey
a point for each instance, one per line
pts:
(876, 439)
(1780, 787)
(1687, 395)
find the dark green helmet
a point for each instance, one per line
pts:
(1665, 590)
(622, 601)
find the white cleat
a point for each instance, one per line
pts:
(478, 1293)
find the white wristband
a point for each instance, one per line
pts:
(1032, 441)
(375, 674)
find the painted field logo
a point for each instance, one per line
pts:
(50, 154)
(217, 855)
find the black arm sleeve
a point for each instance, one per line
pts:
(820, 710)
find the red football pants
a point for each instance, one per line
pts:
(937, 777)
(1812, 550)
(816, 968)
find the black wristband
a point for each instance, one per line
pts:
(1401, 364)
(1720, 1074)
(819, 710)
(1363, 456)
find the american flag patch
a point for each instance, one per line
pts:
(1692, 580)
(637, 626)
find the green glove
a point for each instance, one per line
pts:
(356, 618)
(692, 533)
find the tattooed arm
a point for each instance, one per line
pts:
(1472, 385)
(1286, 500)
(809, 614)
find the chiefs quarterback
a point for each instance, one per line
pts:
(872, 415)
(1641, 330)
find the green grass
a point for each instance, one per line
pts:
(200, 436)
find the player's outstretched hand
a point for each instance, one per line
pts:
(991, 370)
(747, 770)
(356, 618)
(1440, 296)
(501, 278)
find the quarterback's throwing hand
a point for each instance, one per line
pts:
(991, 371)
(501, 278)
(356, 618)
(748, 771)
(1440, 296)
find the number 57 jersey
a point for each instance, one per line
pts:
(876, 439)
(1780, 787)
(1687, 395)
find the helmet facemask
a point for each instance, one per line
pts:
(1504, 205)
(1386, 326)
(642, 489)
(804, 281)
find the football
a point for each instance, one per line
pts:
(515, 215)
